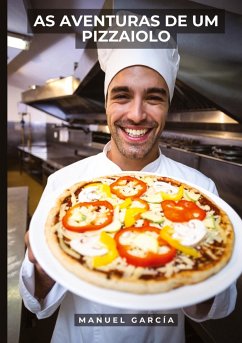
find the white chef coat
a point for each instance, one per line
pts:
(71, 304)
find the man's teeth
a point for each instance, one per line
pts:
(136, 133)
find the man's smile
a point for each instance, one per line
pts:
(136, 132)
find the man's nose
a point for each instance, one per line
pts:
(136, 111)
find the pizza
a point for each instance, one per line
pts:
(139, 233)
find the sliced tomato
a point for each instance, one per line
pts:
(88, 216)
(182, 210)
(124, 183)
(150, 259)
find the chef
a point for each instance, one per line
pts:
(139, 86)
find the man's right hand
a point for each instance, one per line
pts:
(43, 283)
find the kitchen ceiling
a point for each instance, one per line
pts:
(47, 58)
(210, 63)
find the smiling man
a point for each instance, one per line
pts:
(139, 86)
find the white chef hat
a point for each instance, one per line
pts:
(164, 61)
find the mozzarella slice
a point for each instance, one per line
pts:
(190, 233)
(146, 242)
(89, 194)
(88, 246)
(143, 241)
(153, 194)
(161, 186)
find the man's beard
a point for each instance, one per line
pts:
(133, 151)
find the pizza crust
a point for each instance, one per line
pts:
(129, 284)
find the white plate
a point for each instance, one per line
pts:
(180, 297)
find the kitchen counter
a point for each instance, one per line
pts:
(194, 156)
(17, 225)
(59, 156)
(206, 137)
(46, 153)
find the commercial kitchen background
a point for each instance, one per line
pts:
(204, 129)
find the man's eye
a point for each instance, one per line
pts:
(121, 96)
(155, 98)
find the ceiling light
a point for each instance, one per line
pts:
(18, 42)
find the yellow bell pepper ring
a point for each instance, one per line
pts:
(166, 235)
(131, 215)
(109, 242)
(126, 203)
(106, 189)
(176, 196)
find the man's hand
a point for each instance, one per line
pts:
(199, 310)
(43, 283)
